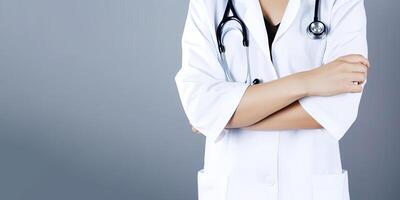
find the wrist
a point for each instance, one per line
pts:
(301, 82)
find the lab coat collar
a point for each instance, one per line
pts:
(251, 13)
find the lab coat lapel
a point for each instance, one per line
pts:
(288, 17)
(251, 13)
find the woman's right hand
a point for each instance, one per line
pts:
(343, 75)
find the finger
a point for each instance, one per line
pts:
(355, 88)
(355, 58)
(358, 77)
(356, 67)
(358, 82)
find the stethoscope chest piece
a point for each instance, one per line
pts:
(317, 30)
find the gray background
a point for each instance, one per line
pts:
(89, 107)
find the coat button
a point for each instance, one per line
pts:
(269, 180)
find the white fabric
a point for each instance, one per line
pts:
(302, 164)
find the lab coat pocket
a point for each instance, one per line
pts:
(330, 186)
(210, 186)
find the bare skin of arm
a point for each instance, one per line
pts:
(261, 100)
(290, 117)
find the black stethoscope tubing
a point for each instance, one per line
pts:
(227, 18)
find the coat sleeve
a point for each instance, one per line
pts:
(207, 98)
(337, 113)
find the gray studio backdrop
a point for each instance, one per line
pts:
(89, 108)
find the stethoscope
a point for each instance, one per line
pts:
(316, 30)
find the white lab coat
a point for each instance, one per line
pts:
(268, 165)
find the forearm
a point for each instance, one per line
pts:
(336, 77)
(262, 100)
(290, 117)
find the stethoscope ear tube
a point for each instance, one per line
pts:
(227, 18)
(221, 48)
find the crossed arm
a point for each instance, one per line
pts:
(282, 111)
(292, 116)
(285, 113)
(274, 105)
